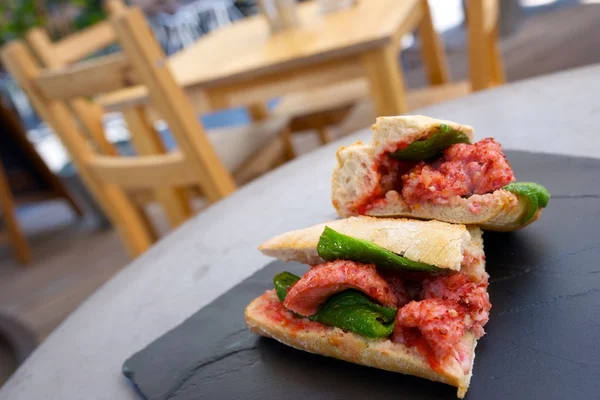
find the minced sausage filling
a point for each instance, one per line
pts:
(434, 314)
(463, 170)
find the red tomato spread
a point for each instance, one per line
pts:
(274, 310)
(435, 310)
(324, 280)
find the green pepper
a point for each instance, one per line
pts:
(433, 146)
(283, 282)
(349, 310)
(534, 195)
(353, 311)
(336, 246)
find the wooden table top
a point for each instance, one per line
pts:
(217, 249)
(247, 48)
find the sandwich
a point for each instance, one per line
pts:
(426, 168)
(402, 295)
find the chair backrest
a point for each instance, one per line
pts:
(72, 49)
(114, 7)
(112, 177)
(485, 61)
(75, 48)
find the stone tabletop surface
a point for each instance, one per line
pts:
(82, 358)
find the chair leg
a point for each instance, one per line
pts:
(498, 74)
(286, 135)
(148, 223)
(432, 50)
(323, 132)
(258, 111)
(15, 233)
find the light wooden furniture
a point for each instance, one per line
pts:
(485, 65)
(71, 49)
(486, 69)
(110, 177)
(24, 179)
(318, 109)
(245, 64)
(114, 7)
(99, 36)
(485, 60)
(247, 151)
(14, 234)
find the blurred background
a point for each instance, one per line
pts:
(59, 245)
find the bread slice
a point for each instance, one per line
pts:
(266, 316)
(432, 242)
(356, 177)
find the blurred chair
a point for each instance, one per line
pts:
(486, 69)
(114, 7)
(247, 151)
(111, 178)
(14, 233)
(319, 109)
(73, 48)
(24, 179)
(322, 108)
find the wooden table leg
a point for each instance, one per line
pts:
(386, 81)
(258, 111)
(15, 233)
(146, 141)
(432, 49)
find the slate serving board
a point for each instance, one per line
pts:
(543, 339)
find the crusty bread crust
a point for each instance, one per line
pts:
(355, 178)
(388, 131)
(476, 268)
(432, 242)
(348, 346)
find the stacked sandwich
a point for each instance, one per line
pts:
(404, 295)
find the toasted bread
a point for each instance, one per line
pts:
(432, 242)
(316, 338)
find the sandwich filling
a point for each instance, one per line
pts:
(442, 169)
(429, 311)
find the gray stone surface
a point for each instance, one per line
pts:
(217, 249)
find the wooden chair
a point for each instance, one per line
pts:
(257, 149)
(113, 7)
(260, 139)
(486, 69)
(319, 109)
(14, 233)
(24, 179)
(111, 177)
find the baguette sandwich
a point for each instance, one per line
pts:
(401, 295)
(426, 168)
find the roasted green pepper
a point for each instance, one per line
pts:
(349, 310)
(283, 282)
(431, 147)
(353, 311)
(336, 246)
(536, 196)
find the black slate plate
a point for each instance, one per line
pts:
(543, 338)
